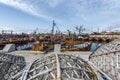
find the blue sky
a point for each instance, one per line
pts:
(26, 15)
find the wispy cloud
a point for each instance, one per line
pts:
(70, 11)
(54, 3)
(77, 7)
(28, 8)
(98, 10)
(22, 6)
(6, 28)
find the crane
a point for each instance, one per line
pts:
(7, 31)
(53, 28)
(35, 31)
(80, 29)
(54, 24)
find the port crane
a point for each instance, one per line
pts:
(35, 31)
(7, 31)
(80, 29)
(53, 28)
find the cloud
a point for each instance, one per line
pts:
(22, 6)
(70, 11)
(94, 9)
(6, 28)
(54, 3)
(77, 7)
(28, 8)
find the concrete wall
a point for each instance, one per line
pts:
(9, 47)
(57, 48)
